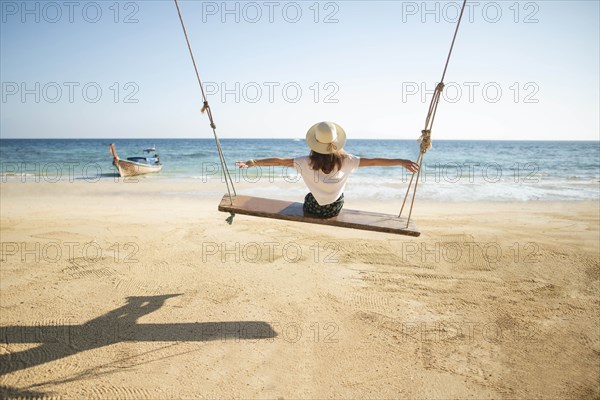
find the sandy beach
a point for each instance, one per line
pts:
(114, 288)
(111, 290)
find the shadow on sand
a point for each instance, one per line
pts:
(118, 325)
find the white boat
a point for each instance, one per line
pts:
(136, 165)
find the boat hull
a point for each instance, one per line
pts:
(130, 168)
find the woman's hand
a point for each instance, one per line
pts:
(244, 164)
(411, 166)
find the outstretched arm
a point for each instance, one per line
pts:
(266, 162)
(389, 162)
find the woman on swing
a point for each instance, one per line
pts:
(325, 171)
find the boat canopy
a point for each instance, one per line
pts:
(147, 160)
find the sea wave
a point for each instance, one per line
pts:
(453, 170)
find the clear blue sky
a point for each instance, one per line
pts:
(373, 58)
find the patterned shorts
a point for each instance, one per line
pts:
(327, 211)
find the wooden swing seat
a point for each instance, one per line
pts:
(292, 211)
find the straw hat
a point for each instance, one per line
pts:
(326, 137)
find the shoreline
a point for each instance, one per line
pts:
(281, 189)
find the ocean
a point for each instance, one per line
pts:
(452, 170)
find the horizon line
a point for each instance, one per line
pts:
(295, 139)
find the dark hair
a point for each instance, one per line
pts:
(327, 162)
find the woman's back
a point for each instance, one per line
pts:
(326, 187)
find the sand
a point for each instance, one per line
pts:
(116, 291)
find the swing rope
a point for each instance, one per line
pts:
(425, 138)
(206, 108)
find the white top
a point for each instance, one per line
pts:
(326, 188)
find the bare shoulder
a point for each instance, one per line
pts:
(287, 162)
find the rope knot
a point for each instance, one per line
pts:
(204, 107)
(425, 140)
(440, 86)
